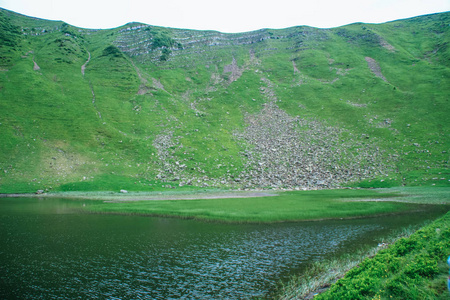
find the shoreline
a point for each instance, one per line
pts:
(402, 195)
(145, 196)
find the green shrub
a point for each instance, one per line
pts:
(423, 266)
(162, 40)
(9, 34)
(165, 54)
(352, 288)
(400, 288)
(395, 287)
(404, 246)
(112, 51)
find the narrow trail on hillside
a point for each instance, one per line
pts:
(143, 89)
(93, 100)
(83, 67)
(142, 79)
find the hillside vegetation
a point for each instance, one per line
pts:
(141, 107)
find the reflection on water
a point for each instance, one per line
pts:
(48, 252)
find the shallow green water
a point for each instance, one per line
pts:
(49, 250)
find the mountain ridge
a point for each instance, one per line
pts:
(131, 23)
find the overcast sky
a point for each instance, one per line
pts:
(224, 16)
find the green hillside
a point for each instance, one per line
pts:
(141, 107)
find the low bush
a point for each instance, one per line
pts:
(423, 266)
(404, 246)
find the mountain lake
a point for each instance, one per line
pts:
(51, 250)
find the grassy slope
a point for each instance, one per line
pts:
(55, 134)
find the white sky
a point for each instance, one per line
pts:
(224, 16)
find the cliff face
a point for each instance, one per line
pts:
(144, 107)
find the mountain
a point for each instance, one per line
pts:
(142, 107)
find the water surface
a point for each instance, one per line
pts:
(48, 250)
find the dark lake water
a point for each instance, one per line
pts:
(49, 251)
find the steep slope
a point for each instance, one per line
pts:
(143, 107)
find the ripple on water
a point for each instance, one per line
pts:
(92, 256)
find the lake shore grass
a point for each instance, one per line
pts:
(246, 207)
(409, 266)
(422, 195)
